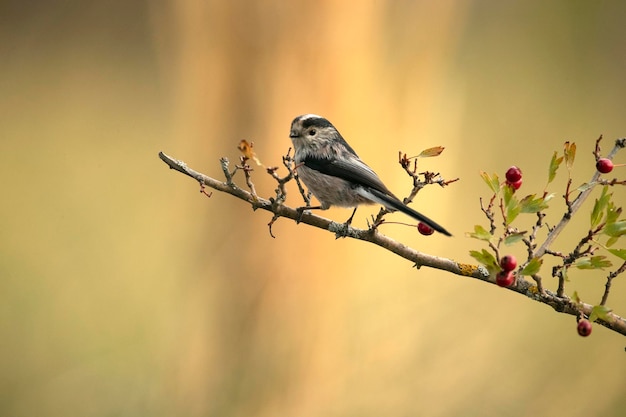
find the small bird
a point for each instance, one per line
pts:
(335, 174)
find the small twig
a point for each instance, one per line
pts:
(609, 279)
(612, 182)
(561, 276)
(229, 175)
(271, 223)
(538, 281)
(555, 253)
(530, 241)
(246, 172)
(203, 191)
(596, 152)
(489, 213)
(289, 163)
(568, 203)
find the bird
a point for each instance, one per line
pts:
(334, 173)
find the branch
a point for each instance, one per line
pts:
(578, 202)
(561, 304)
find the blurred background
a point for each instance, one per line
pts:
(125, 292)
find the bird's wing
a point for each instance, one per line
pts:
(351, 169)
(355, 171)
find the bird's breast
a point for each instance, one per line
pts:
(330, 190)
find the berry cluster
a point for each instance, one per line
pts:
(506, 277)
(514, 177)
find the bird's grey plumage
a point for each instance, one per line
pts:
(335, 174)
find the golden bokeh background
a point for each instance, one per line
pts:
(126, 292)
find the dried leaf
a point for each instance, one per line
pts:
(434, 151)
(569, 153)
(247, 150)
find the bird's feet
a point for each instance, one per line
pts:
(300, 211)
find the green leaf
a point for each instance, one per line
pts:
(612, 212)
(585, 186)
(512, 212)
(511, 204)
(600, 205)
(600, 312)
(514, 238)
(487, 259)
(530, 204)
(620, 253)
(492, 182)
(480, 233)
(611, 241)
(554, 166)
(569, 153)
(508, 194)
(532, 267)
(615, 229)
(575, 297)
(593, 262)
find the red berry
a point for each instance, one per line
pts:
(505, 278)
(584, 327)
(514, 174)
(508, 263)
(425, 229)
(604, 165)
(515, 184)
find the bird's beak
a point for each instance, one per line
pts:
(293, 134)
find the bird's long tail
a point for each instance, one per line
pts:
(394, 204)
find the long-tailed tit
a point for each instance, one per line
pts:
(335, 174)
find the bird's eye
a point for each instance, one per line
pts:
(312, 132)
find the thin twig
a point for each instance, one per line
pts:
(609, 279)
